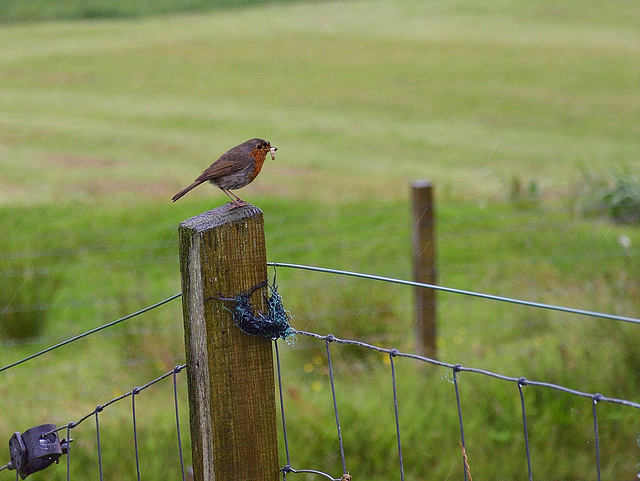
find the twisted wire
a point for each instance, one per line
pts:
(526, 429)
(328, 340)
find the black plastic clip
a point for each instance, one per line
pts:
(35, 449)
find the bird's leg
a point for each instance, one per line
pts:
(235, 202)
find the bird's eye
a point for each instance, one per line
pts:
(259, 146)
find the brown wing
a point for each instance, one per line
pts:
(221, 167)
(229, 163)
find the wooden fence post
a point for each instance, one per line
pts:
(424, 266)
(230, 375)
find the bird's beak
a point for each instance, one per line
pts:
(273, 152)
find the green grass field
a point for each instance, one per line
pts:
(502, 104)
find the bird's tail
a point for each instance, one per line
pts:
(187, 189)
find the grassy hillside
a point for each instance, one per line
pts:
(503, 105)
(360, 97)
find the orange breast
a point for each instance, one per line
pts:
(260, 156)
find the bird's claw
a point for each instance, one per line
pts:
(238, 203)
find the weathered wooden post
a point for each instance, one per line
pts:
(424, 266)
(230, 375)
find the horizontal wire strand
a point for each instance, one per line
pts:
(92, 331)
(460, 368)
(452, 290)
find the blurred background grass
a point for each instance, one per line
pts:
(41, 10)
(525, 116)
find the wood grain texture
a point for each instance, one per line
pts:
(230, 374)
(424, 266)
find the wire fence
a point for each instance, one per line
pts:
(68, 429)
(455, 369)
(392, 354)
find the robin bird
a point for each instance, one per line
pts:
(235, 169)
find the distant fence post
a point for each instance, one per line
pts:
(230, 375)
(424, 266)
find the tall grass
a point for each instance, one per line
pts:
(26, 297)
(614, 193)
